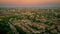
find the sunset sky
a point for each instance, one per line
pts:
(29, 2)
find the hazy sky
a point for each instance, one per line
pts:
(29, 1)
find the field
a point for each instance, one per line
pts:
(29, 20)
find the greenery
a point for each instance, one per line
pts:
(34, 21)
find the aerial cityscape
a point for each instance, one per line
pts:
(29, 16)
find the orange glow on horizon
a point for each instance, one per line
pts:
(29, 1)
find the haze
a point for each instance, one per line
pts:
(29, 1)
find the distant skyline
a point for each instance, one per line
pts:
(29, 3)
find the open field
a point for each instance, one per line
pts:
(29, 21)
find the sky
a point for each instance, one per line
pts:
(29, 2)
